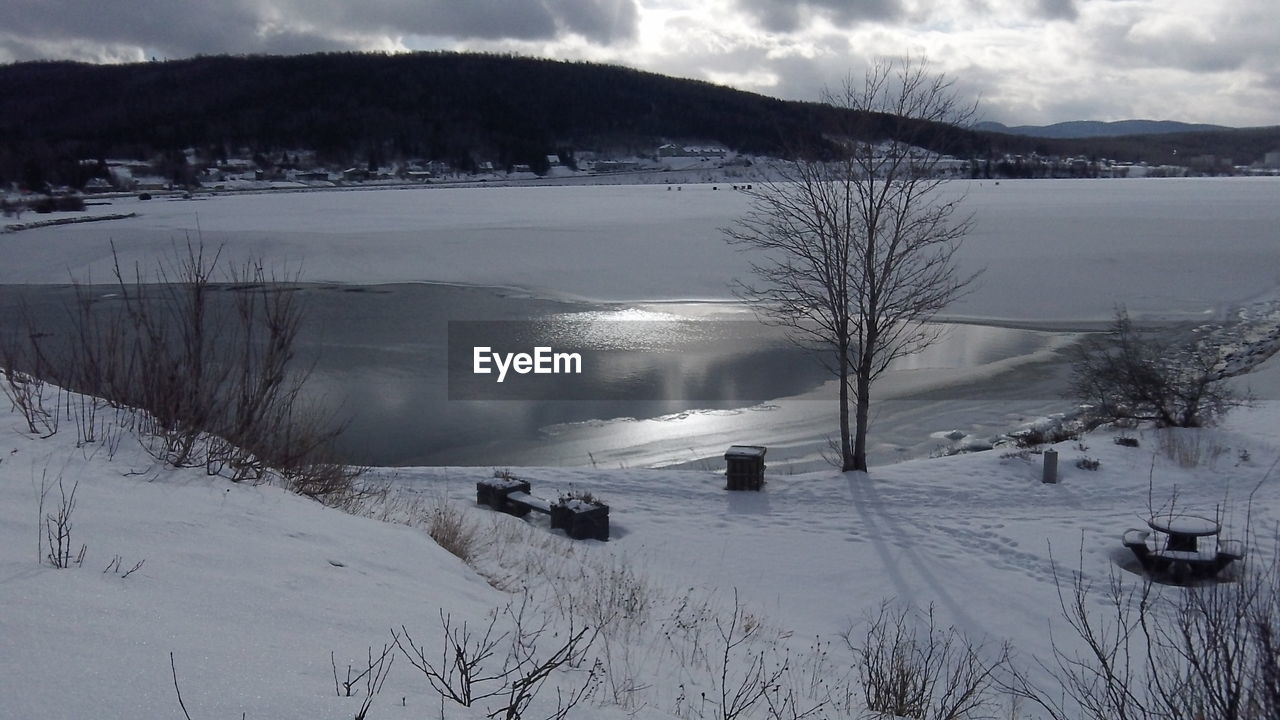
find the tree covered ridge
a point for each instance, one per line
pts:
(461, 108)
(352, 107)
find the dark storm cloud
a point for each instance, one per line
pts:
(599, 20)
(71, 28)
(1057, 9)
(151, 24)
(785, 15)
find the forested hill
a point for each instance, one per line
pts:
(459, 108)
(352, 107)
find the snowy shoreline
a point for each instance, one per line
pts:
(53, 222)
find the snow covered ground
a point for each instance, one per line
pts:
(251, 588)
(1054, 251)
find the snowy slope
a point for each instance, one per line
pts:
(251, 588)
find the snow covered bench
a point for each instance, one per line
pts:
(496, 493)
(578, 518)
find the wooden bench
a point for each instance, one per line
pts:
(579, 519)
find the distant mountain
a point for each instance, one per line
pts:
(1077, 129)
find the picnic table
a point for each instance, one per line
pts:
(1182, 546)
(1184, 531)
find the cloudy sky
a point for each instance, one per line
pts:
(1028, 61)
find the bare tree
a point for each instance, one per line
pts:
(858, 242)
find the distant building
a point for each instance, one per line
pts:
(674, 150)
(616, 166)
(1271, 159)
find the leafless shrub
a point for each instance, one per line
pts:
(531, 669)
(84, 411)
(1190, 448)
(1087, 463)
(1034, 437)
(505, 667)
(308, 468)
(452, 531)
(619, 599)
(371, 678)
(383, 502)
(740, 691)
(459, 674)
(1127, 374)
(911, 667)
(26, 391)
(57, 526)
(115, 566)
(207, 370)
(742, 673)
(613, 594)
(810, 687)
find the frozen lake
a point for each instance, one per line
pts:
(1054, 250)
(1059, 255)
